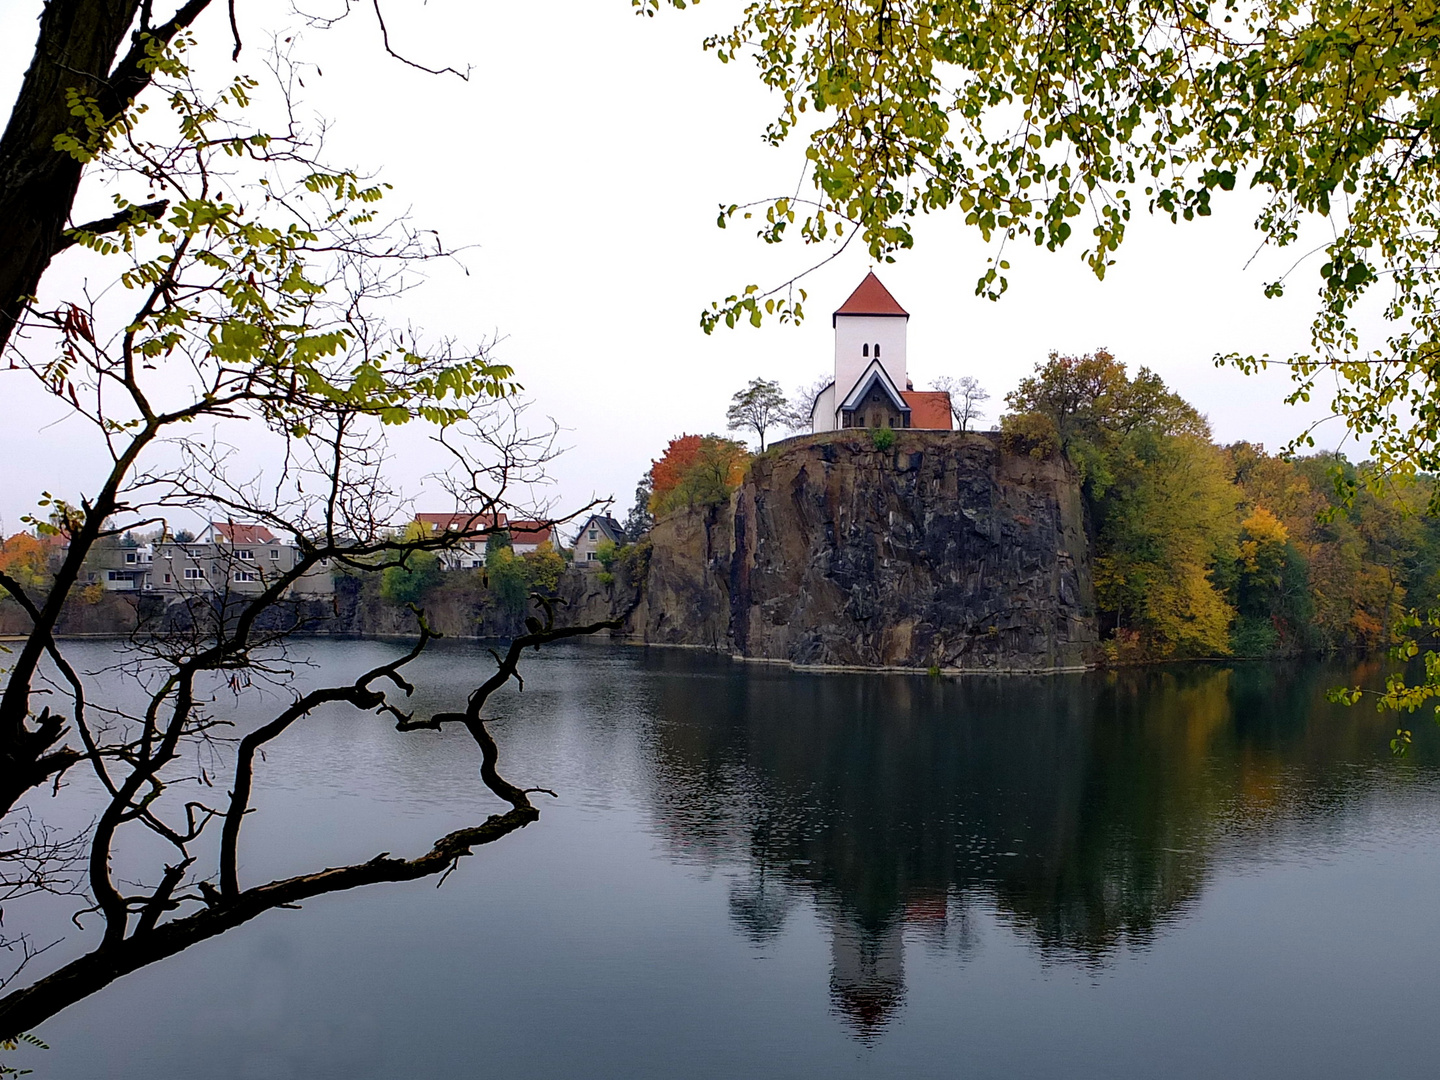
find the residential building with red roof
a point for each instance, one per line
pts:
(463, 522)
(526, 536)
(230, 532)
(469, 553)
(228, 557)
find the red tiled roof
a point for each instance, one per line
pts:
(532, 532)
(929, 409)
(242, 534)
(871, 298)
(472, 523)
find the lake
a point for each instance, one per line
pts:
(1190, 871)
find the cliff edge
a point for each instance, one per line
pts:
(942, 551)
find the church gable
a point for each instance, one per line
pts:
(875, 401)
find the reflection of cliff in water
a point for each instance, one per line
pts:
(1083, 810)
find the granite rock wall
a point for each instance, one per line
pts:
(941, 551)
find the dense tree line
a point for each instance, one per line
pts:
(1204, 550)
(504, 583)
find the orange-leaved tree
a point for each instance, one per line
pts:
(24, 558)
(696, 470)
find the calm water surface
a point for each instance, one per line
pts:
(1189, 872)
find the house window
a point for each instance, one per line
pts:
(245, 554)
(593, 534)
(194, 573)
(167, 579)
(246, 575)
(131, 556)
(865, 349)
(877, 349)
(590, 556)
(197, 553)
(116, 575)
(274, 553)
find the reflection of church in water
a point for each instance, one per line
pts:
(902, 814)
(867, 973)
(867, 958)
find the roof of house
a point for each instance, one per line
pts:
(607, 525)
(473, 523)
(532, 532)
(870, 298)
(929, 409)
(230, 532)
(874, 374)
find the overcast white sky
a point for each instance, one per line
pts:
(585, 158)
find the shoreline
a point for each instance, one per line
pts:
(791, 665)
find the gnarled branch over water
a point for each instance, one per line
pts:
(134, 934)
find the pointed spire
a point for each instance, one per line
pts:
(871, 298)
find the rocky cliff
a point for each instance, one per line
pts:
(941, 551)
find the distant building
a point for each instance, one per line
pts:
(597, 529)
(227, 557)
(871, 386)
(527, 536)
(469, 553)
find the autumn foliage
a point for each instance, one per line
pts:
(23, 557)
(696, 470)
(1200, 550)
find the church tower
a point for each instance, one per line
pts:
(869, 326)
(870, 374)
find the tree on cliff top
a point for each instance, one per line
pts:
(24, 558)
(1091, 406)
(758, 408)
(639, 520)
(966, 397)
(696, 470)
(801, 413)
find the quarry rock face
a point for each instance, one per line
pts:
(941, 551)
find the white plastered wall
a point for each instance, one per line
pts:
(822, 416)
(852, 334)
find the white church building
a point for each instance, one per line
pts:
(871, 387)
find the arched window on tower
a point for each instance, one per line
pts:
(877, 350)
(865, 349)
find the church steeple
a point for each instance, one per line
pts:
(870, 298)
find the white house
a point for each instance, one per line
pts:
(598, 529)
(469, 553)
(872, 387)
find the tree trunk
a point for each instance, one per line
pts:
(77, 48)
